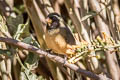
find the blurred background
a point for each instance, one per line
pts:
(94, 23)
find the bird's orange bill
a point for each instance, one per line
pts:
(49, 21)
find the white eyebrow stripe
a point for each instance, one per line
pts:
(56, 16)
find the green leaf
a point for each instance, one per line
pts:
(14, 22)
(31, 61)
(5, 52)
(27, 40)
(22, 30)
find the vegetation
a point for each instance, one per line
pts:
(23, 52)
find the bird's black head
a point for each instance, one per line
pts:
(53, 21)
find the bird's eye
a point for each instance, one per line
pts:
(54, 19)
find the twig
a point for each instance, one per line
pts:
(52, 57)
(104, 27)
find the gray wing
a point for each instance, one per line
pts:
(67, 34)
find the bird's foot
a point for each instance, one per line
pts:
(49, 50)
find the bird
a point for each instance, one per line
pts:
(58, 35)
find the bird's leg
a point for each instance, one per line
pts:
(65, 57)
(49, 50)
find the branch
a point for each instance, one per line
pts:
(52, 57)
(103, 26)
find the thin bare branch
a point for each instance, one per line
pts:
(52, 57)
